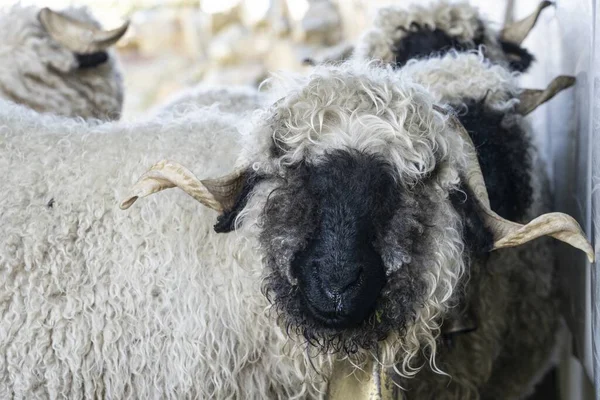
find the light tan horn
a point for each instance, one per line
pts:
(530, 99)
(78, 36)
(219, 194)
(511, 234)
(518, 31)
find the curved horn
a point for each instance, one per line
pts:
(518, 31)
(530, 99)
(511, 234)
(218, 194)
(78, 36)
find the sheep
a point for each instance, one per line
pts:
(364, 198)
(156, 303)
(60, 62)
(400, 34)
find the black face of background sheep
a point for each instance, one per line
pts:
(422, 41)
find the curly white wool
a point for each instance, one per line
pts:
(149, 303)
(43, 75)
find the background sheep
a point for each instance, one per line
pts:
(60, 62)
(363, 201)
(401, 33)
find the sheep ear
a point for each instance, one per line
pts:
(78, 36)
(219, 194)
(226, 222)
(530, 99)
(518, 31)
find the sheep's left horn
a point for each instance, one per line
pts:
(511, 234)
(218, 194)
(530, 99)
(78, 36)
(518, 31)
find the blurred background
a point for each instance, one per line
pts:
(173, 44)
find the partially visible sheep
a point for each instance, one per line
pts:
(400, 34)
(60, 63)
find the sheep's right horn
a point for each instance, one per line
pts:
(218, 194)
(78, 36)
(518, 31)
(530, 99)
(507, 233)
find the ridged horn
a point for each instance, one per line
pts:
(530, 99)
(218, 194)
(78, 36)
(511, 234)
(518, 31)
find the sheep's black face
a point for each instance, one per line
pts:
(421, 41)
(334, 234)
(340, 272)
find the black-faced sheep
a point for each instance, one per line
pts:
(364, 201)
(60, 62)
(400, 34)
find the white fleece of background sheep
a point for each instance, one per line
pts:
(40, 73)
(148, 303)
(460, 20)
(228, 99)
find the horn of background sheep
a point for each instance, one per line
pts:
(507, 233)
(530, 99)
(217, 194)
(518, 31)
(78, 36)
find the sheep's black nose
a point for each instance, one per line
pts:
(336, 293)
(336, 285)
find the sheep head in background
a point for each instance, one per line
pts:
(400, 34)
(60, 62)
(351, 187)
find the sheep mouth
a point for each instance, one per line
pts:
(331, 333)
(338, 317)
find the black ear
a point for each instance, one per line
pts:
(92, 60)
(519, 59)
(226, 221)
(477, 237)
